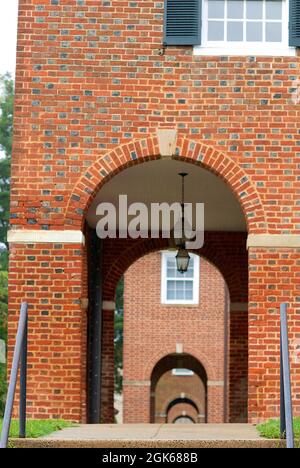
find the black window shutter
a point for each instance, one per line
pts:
(183, 22)
(294, 27)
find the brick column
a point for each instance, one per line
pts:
(215, 402)
(238, 363)
(51, 277)
(274, 278)
(108, 377)
(136, 391)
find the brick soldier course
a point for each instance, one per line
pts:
(93, 92)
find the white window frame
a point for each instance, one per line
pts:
(246, 48)
(164, 279)
(182, 372)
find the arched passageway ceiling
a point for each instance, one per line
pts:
(158, 181)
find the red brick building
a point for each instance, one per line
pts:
(178, 320)
(110, 101)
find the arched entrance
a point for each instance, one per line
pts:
(182, 379)
(183, 411)
(225, 246)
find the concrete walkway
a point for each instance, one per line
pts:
(154, 432)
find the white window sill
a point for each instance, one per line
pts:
(180, 303)
(258, 51)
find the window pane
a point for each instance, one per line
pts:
(254, 32)
(189, 285)
(171, 295)
(189, 295)
(254, 9)
(171, 285)
(180, 295)
(215, 31)
(235, 31)
(216, 9)
(171, 273)
(274, 10)
(235, 9)
(273, 32)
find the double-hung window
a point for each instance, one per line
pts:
(245, 26)
(176, 287)
(234, 27)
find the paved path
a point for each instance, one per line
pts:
(153, 432)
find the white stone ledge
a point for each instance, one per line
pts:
(45, 237)
(290, 241)
(137, 383)
(213, 383)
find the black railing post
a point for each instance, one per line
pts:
(23, 385)
(282, 399)
(13, 377)
(286, 418)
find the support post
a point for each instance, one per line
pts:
(286, 378)
(13, 377)
(95, 329)
(23, 384)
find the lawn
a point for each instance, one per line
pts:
(37, 428)
(271, 429)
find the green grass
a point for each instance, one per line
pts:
(38, 428)
(271, 429)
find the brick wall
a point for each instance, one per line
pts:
(152, 331)
(91, 92)
(170, 388)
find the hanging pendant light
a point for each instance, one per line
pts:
(182, 260)
(182, 257)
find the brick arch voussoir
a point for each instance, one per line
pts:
(232, 174)
(103, 170)
(139, 151)
(128, 258)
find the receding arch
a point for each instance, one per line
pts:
(139, 151)
(177, 401)
(174, 361)
(179, 418)
(231, 262)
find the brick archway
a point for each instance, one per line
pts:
(226, 251)
(140, 151)
(189, 359)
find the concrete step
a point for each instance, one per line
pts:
(154, 436)
(144, 444)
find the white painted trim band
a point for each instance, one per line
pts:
(290, 241)
(212, 383)
(45, 237)
(137, 383)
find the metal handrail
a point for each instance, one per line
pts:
(20, 355)
(286, 407)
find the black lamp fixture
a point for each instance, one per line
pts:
(182, 257)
